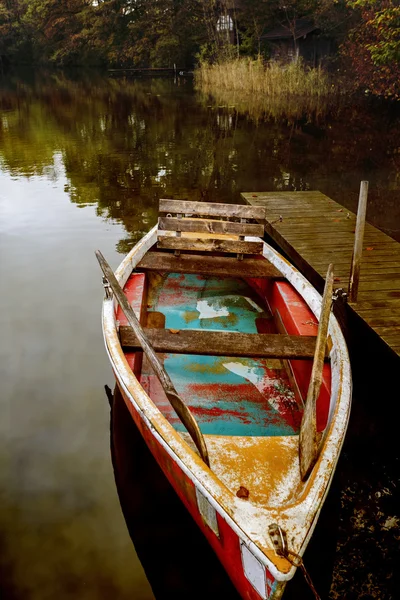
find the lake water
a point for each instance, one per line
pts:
(83, 162)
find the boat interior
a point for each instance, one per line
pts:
(237, 341)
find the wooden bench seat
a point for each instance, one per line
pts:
(207, 265)
(188, 230)
(221, 343)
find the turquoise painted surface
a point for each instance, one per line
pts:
(195, 302)
(228, 396)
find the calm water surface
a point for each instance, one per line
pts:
(83, 162)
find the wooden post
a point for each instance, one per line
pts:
(358, 242)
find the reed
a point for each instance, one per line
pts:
(271, 79)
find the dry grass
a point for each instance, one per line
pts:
(269, 79)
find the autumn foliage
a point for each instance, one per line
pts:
(373, 47)
(164, 33)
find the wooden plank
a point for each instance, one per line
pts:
(367, 296)
(223, 343)
(316, 230)
(376, 321)
(374, 304)
(180, 407)
(209, 245)
(330, 223)
(369, 313)
(311, 211)
(330, 233)
(389, 339)
(208, 226)
(308, 429)
(345, 246)
(394, 330)
(378, 284)
(211, 209)
(287, 196)
(369, 271)
(383, 275)
(208, 265)
(321, 254)
(323, 225)
(370, 266)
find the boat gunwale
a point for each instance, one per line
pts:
(308, 504)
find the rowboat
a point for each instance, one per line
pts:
(237, 375)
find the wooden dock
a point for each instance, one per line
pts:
(314, 230)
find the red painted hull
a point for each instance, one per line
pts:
(236, 530)
(227, 544)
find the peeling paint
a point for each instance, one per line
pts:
(209, 309)
(296, 506)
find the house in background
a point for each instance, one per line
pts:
(226, 25)
(299, 38)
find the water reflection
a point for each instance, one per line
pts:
(112, 148)
(61, 530)
(125, 143)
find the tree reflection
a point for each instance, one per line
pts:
(126, 143)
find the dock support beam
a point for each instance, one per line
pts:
(358, 242)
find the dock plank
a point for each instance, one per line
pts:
(314, 230)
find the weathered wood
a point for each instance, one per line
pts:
(291, 196)
(223, 343)
(388, 330)
(315, 231)
(373, 271)
(381, 286)
(178, 404)
(346, 235)
(373, 265)
(210, 209)
(387, 321)
(331, 237)
(330, 224)
(365, 296)
(209, 245)
(372, 314)
(308, 428)
(332, 245)
(392, 304)
(223, 266)
(209, 226)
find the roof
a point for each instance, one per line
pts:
(302, 28)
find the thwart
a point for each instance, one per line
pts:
(237, 375)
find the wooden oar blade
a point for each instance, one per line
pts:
(309, 443)
(189, 422)
(178, 404)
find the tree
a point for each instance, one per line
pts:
(60, 31)
(374, 46)
(14, 39)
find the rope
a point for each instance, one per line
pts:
(297, 561)
(279, 539)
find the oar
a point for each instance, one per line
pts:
(178, 404)
(308, 429)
